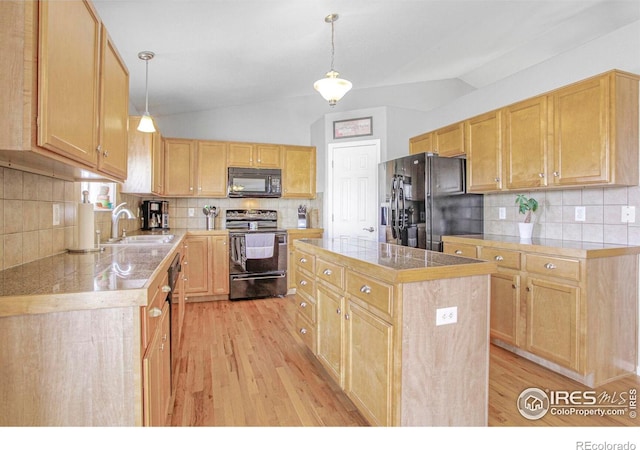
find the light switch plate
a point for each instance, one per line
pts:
(581, 214)
(191, 212)
(628, 214)
(56, 214)
(502, 213)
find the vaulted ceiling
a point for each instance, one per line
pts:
(218, 53)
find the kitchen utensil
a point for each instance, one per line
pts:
(210, 212)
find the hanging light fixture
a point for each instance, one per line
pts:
(331, 87)
(146, 122)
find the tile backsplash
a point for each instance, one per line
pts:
(556, 215)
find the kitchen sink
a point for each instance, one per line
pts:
(143, 239)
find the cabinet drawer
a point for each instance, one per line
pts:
(305, 283)
(504, 258)
(375, 293)
(553, 266)
(305, 260)
(333, 273)
(306, 331)
(306, 308)
(460, 249)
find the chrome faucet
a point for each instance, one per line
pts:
(115, 217)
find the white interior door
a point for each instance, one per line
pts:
(353, 185)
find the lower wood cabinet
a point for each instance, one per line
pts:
(292, 235)
(206, 265)
(572, 310)
(329, 331)
(156, 373)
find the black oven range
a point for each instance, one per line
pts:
(257, 254)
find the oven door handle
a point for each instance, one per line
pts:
(266, 277)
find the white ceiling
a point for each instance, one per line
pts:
(218, 53)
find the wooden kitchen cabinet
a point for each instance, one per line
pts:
(570, 309)
(292, 235)
(449, 140)
(211, 170)
(156, 372)
(179, 167)
(422, 143)
(298, 171)
(196, 265)
(145, 160)
(329, 331)
(206, 267)
(483, 147)
(264, 156)
(63, 90)
(525, 142)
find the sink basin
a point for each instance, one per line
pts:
(143, 239)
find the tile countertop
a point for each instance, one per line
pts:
(577, 249)
(119, 276)
(395, 263)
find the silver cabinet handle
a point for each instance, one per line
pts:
(458, 252)
(155, 312)
(497, 180)
(303, 282)
(303, 331)
(303, 304)
(166, 288)
(303, 260)
(541, 175)
(499, 258)
(338, 311)
(327, 272)
(346, 316)
(365, 289)
(549, 266)
(556, 174)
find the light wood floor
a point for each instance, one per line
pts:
(240, 366)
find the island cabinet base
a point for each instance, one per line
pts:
(445, 369)
(371, 313)
(74, 368)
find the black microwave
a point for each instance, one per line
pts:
(254, 183)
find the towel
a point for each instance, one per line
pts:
(259, 245)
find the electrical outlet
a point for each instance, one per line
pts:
(446, 316)
(191, 212)
(502, 213)
(56, 214)
(581, 214)
(628, 214)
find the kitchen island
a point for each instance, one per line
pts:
(403, 331)
(74, 330)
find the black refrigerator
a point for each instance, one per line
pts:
(423, 197)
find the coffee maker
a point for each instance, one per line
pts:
(155, 215)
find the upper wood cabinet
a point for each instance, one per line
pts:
(422, 143)
(253, 155)
(525, 137)
(449, 140)
(195, 168)
(63, 91)
(484, 148)
(145, 161)
(211, 169)
(179, 163)
(584, 134)
(298, 171)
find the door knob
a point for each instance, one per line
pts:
(370, 229)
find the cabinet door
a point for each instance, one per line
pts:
(581, 133)
(68, 80)
(505, 307)
(114, 111)
(450, 140)
(298, 172)
(329, 310)
(421, 144)
(369, 364)
(179, 163)
(196, 265)
(267, 156)
(525, 144)
(220, 264)
(484, 152)
(211, 169)
(156, 372)
(157, 164)
(240, 155)
(553, 321)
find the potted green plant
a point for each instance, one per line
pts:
(526, 206)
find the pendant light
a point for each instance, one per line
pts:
(331, 87)
(146, 122)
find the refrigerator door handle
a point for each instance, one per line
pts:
(401, 217)
(394, 207)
